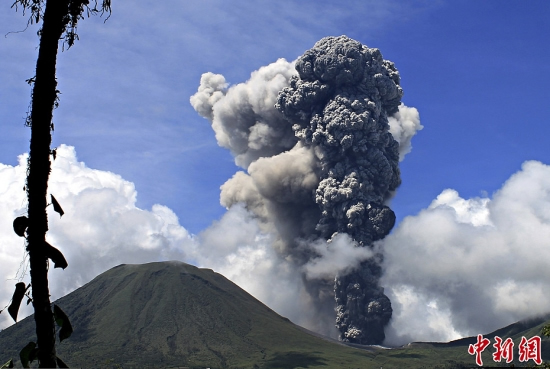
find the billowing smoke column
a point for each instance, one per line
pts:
(339, 106)
(314, 138)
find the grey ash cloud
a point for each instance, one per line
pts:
(339, 106)
(321, 162)
(243, 117)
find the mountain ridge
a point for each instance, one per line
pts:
(172, 314)
(169, 314)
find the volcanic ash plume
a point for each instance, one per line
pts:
(339, 106)
(314, 137)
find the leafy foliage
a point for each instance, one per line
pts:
(545, 332)
(56, 256)
(56, 207)
(18, 295)
(62, 320)
(20, 225)
(28, 354)
(75, 12)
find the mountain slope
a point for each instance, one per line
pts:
(174, 314)
(457, 350)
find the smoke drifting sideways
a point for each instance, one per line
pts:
(320, 140)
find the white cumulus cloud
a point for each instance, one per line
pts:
(459, 267)
(101, 227)
(469, 266)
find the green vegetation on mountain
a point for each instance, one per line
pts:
(171, 314)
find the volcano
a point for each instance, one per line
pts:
(172, 314)
(175, 315)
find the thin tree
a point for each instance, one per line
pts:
(59, 21)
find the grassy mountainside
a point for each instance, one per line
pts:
(173, 314)
(457, 350)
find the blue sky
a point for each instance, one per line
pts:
(476, 71)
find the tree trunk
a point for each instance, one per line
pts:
(43, 100)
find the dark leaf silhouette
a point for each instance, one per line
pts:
(28, 354)
(57, 207)
(54, 151)
(56, 256)
(20, 225)
(62, 320)
(13, 309)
